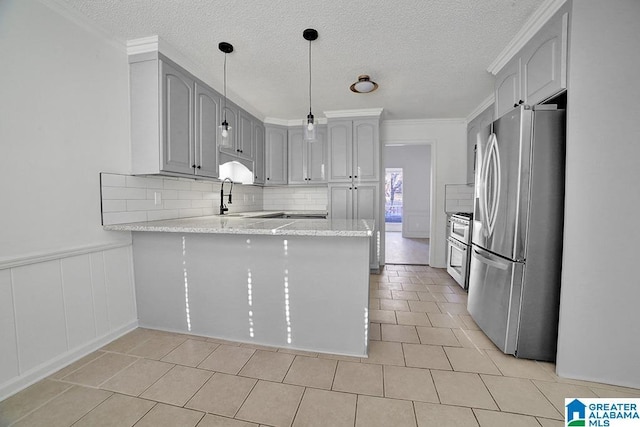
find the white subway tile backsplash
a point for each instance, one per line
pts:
(123, 217)
(176, 184)
(189, 195)
(187, 213)
(133, 198)
(177, 204)
(163, 214)
(114, 205)
(123, 193)
(112, 180)
(202, 186)
(141, 205)
(458, 198)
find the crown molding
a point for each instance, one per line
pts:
(293, 122)
(343, 114)
(483, 106)
(83, 21)
(528, 30)
(422, 122)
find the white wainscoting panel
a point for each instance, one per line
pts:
(40, 314)
(76, 280)
(56, 311)
(9, 355)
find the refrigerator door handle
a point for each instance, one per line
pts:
(482, 193)
(493, 263)
(493, 157)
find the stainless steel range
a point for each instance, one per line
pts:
(459, 248)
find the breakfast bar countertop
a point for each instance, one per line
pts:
(224, 224)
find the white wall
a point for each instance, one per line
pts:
(415, 161)
(448, 141)
(65, 286)
(599, 316)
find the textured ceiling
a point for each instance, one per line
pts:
(428, 56)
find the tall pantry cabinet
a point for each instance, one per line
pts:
(354, 166)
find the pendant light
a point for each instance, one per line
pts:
(225, 129)
(309, 125)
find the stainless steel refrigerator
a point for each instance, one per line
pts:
(516, 256)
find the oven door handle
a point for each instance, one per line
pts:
(455, 242)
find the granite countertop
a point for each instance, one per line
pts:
(248, 225)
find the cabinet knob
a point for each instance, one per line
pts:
(199, 167)
(355, 188)
(193, 166)
(350, 188)
(268, 179)
(349, 176)
(355, 176)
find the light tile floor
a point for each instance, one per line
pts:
(428, 365)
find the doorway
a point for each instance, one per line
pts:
(407, 204)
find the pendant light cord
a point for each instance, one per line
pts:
(309, 76)
(225, 87)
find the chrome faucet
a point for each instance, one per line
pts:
(223, 207)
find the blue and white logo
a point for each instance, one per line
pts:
(602, 412)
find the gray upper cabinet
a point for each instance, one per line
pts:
(178, 120)
(307, 159)
(276, 155)
(508, 87)
(206, 131)
(475, 129)
(539, 70)
(245, 135)
(354, 150)
(544, 61)
(173, 119)
(259, 153)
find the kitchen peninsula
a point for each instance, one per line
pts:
(294, 283)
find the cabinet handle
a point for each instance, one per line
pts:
(193, 166)
(199, 167)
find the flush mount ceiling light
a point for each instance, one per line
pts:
(309, 127)
(225, 129)
(363, 85)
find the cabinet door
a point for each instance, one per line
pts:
(258, 151)
(544, 61)
(245, 134)
(508, 87)
(276, 156)
(341, 201)
(340, 144)
(365, 201)
(206, 131)
(297, 157)
(366, 150)
(317, 158)
(231, 112)
(177, 120)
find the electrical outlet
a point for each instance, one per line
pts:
(157, 198)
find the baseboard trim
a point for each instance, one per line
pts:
(45, 369)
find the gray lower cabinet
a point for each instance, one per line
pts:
(307, 159)
(360, 201)
(276, 155)
(173, 119)
(539, 70)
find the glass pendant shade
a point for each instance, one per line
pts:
(309, 128)
(225, 134)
